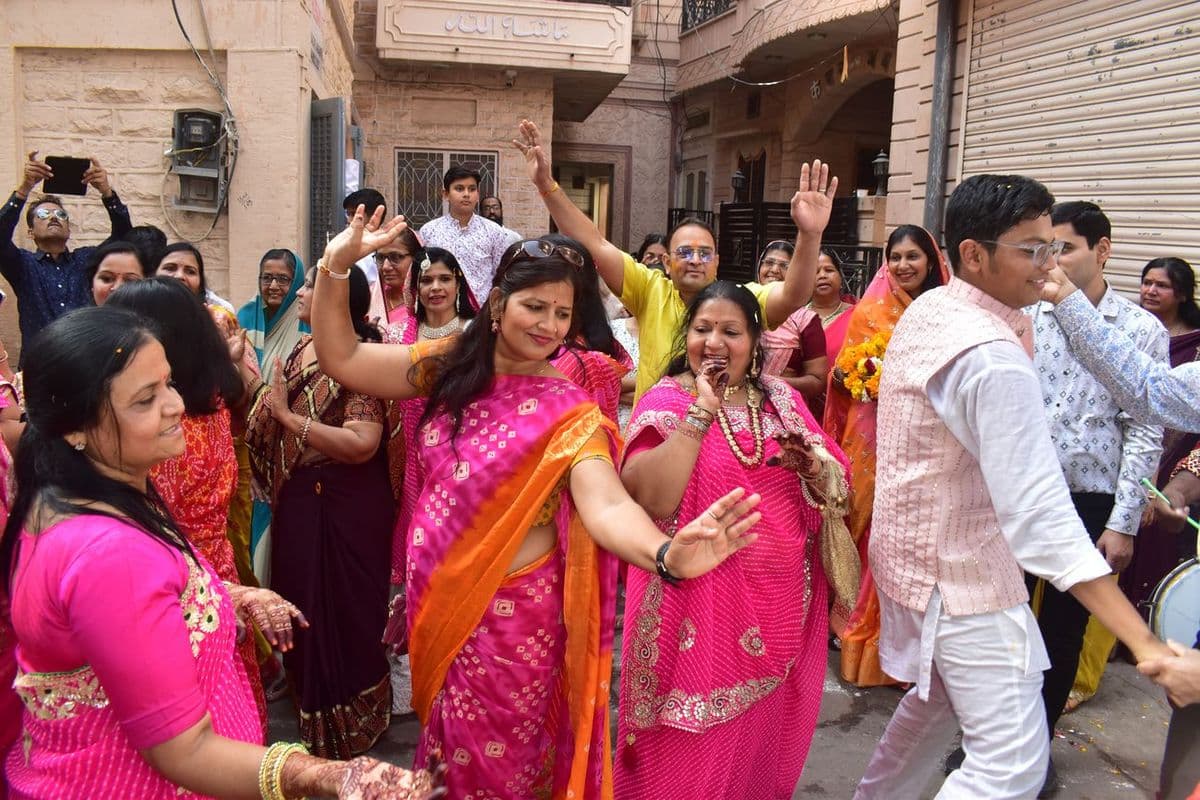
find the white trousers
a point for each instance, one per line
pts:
(979, 681)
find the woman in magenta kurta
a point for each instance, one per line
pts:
(124, 633)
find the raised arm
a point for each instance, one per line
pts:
(10, 216)
(610, 260)
(1149, 390)
(811, 206)
(118, 213)
(378, 370)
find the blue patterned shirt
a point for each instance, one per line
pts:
(1145, 387)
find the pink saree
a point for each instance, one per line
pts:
(510, 671)
(92, 597)
(722, 675)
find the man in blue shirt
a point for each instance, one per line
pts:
(51, 280)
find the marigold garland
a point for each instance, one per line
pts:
(861, 366)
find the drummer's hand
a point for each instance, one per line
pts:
(1117, 549)
(1179, 674)
(1158, 511)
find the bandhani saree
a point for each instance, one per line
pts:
(511, 671)
(722, 675)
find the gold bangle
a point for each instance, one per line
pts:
(270, 770)
(549, 191)
(337, 276)
(691, 432)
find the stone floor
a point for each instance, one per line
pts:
(1108, 749)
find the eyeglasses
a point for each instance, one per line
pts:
(1039, 254)
(775, 263)
(47, 213)
(536, 248)
(391, 258)
(702, 254)
(268, 280)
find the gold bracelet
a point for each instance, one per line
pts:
(304, 432)
(337, 276)
(697, 410)
(549, 191)
(270, 771)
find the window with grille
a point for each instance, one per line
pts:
(419, 179)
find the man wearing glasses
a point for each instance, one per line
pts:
(51, 280)
(969, 495)
(1103, 451)
(659, 302)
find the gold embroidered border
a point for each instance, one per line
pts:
(57, 695)
(690, 712)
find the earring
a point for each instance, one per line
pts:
(79, 446)
(754, 366)
(495, 326)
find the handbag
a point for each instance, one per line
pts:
(829, 492)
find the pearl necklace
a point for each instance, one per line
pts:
(440, 332)
(755, 457)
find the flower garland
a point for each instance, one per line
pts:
(861, 366)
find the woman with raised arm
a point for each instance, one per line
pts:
(510, 594)
(125, 634)
(722, 676)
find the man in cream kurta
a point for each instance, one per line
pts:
(968, 495)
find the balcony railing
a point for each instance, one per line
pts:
(697, 12)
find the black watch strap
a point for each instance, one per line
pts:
(660, 564)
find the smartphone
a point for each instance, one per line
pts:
(68, 175)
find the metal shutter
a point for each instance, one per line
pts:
(1100, 101)
(326, 174)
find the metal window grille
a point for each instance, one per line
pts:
(697, 12)
(419, 179)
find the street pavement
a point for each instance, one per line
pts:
(1107, 749)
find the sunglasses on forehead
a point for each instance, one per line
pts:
(536, 248)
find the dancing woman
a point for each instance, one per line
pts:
(510, 596)
(100, 576)
(722, 676)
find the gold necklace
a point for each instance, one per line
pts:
(755, 458)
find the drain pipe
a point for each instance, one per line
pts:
(939, 116)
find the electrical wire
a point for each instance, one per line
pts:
(229, 132)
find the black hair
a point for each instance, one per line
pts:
(920, 237)
(468, 368)
(1183, 281)
(360, 304)
(1086, 218)
(438, 255)
(150, 240)
(458, 173)
(97, 256)
(832, 256)
(196, 350)
(652, 238)
(52, 199)
(279, 254)
(983, 207)
(720, 290)
(690, 222)
(778, 244)
(68, 382)
(495, 197)
(186, 247)
(589, 307)
(370, 199)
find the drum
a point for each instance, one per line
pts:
(1175, 604)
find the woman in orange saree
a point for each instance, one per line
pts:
(510, 590)
(913, 264)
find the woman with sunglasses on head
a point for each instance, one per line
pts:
(316, 451)
(913, 264)
(509, 594)
(125, 635)
(795, 351)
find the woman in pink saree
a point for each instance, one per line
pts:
(509, 585)
(722, 676)
(913, 264)
(101, 577)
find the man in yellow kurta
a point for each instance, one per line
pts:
(658, 302)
